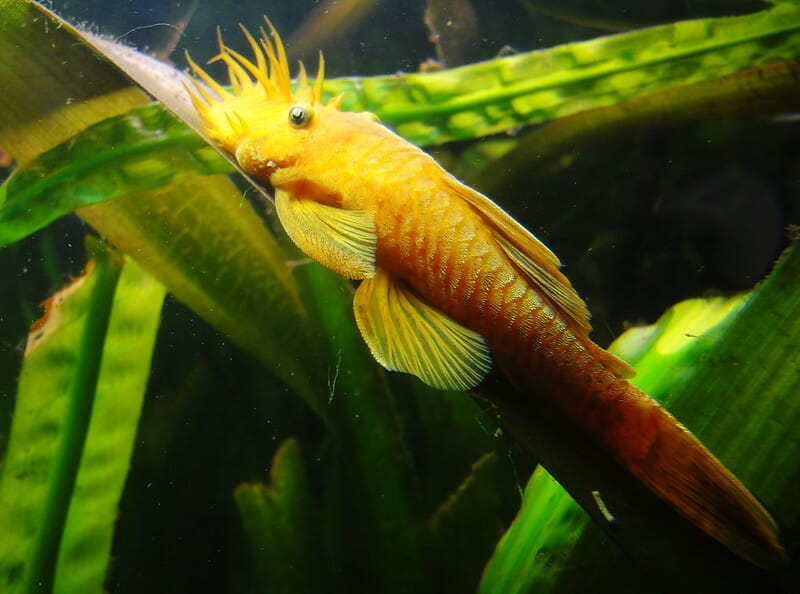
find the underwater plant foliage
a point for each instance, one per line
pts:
(80, 394)
(388, 475)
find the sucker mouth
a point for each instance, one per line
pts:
(262, 169)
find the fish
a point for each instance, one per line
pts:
(450, 286)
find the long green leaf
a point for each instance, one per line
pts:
(85, 551)
(210, 248)
(768, 89)
(533, 554)
(464, 528)
(373, 460)
(490, 97)
(54, 404)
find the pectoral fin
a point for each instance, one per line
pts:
(342, 240)
(406, 334)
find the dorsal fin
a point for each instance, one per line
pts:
(532, 257)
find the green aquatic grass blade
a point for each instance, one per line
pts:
(55, 398)
(206, 243)
(144, 149)
(280, 522)
(502, 94)
(722, 368)
(533, 553)
(85, 551)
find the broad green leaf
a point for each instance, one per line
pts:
(210, 248)
(55, 400)
(771, 88)
(722, 368)
(373, 464)
(531, 555)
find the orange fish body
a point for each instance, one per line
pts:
(451, 284)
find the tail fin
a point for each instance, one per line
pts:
(673, 463)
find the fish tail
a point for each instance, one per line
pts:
(669, 460)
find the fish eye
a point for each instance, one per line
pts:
(299, 116)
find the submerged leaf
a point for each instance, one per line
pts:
(85, 551)
(373, 468)
(144, 149)
(464, 529)
(767, 89)
(280, 525)
(210, 248)
(531, 555)
(78, 402)
(54, 402)
(504, 93)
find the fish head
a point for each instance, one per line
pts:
(263, 119)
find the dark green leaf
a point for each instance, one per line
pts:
(281, 527)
